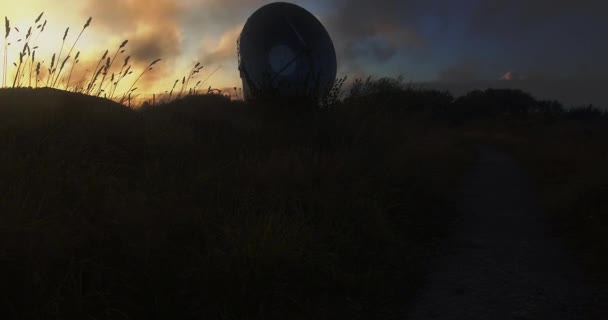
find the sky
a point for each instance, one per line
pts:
(424, 41)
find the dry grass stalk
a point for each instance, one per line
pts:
(133, 88)
(121, 75)
(96, 73)
(197, 68)
(48, 80)
(7, 26)
(86, 25)
(109, 64)
(65, 35)
(67, 86)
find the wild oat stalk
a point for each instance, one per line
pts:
(61, 68)
(37, 73)
(197, 68)
(67, 86)
(51, 70)
(111, 62)
(65, 35)
(131, 89)
(182, 89)
(7, 26)
(86, 25)
(211, 75)
(96, 72)
(41, 27)
(79, 86)
(22, 54)
(174, 85)
(32, 65)
(196, 87)
(105, 70)
(121, 75)
(32, 55)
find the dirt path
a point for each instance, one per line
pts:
(504, 263)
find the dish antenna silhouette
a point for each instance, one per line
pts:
(284, 51)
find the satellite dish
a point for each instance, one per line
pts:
(285, 51)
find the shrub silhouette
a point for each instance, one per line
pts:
(496, 102)
(586, 113)
(393, 94)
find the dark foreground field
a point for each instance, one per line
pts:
(206, 208)
(210, 209)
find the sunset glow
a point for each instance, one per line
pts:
(151, 32)
(433, 41)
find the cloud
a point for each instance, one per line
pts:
(218, 51)
(450, 40)
(516, 16)
(153, 31)
(366, 32)
(513, 76)
(465, 71)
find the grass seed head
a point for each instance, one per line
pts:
(86, 25)
(7, 25)
(39, 17)
(126, 71)
(64, 61)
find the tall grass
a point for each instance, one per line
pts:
(51, 70)
(127, 95)
(65, 35)
(125, 70)
(67, 85)
(86, 25)
(98, 69)
(26, 51)
(28, 70)
(186, 81)
(211, 208)
(109, 66)
(7, 33)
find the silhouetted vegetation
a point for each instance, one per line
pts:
(568, 159)
(206, 207)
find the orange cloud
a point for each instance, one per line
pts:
(216, 52)
(507, 76)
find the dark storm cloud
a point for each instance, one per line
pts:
(464, 71)
(552, 38)
(514, 16)
(378, 51)
(371, 31)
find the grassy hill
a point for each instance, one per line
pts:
(211, 208)
(208, 208)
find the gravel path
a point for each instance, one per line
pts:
(504, 263)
